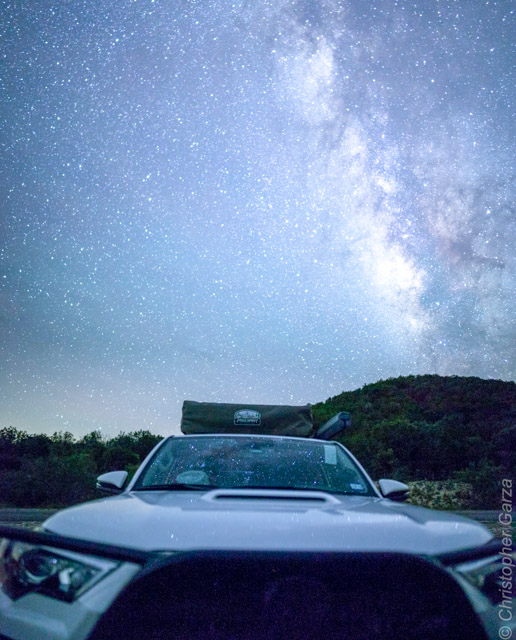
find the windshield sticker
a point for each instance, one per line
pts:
(247, 416)
(330, 454)
(357, 486)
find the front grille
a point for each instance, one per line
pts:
(294, 596)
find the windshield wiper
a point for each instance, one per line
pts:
(188, 486)
(291, 488)
(280, 487)
(177, 486)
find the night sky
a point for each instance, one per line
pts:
(265, 202)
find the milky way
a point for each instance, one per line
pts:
(264, 202)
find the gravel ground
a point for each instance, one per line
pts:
(23, 525)
(24, 518)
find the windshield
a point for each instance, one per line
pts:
(251, 462)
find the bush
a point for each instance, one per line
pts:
(485, 479)
(57, 471)
(49, 482)
(441, 494)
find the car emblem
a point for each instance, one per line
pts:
(247, 416)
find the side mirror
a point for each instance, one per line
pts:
(112, 482)
(394, 490)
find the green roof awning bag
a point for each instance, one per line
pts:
(213, 417)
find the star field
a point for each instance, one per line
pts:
(264, 202)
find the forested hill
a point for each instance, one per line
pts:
(431, 427)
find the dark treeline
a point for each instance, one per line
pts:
(412, 428)
(58, 470)
(433, 428)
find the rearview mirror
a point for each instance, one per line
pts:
(112, 482)
(394, 490)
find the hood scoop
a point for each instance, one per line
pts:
(276, 495)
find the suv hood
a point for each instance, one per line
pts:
(266, 520)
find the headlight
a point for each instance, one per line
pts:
(25, 568)
(487, 575)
